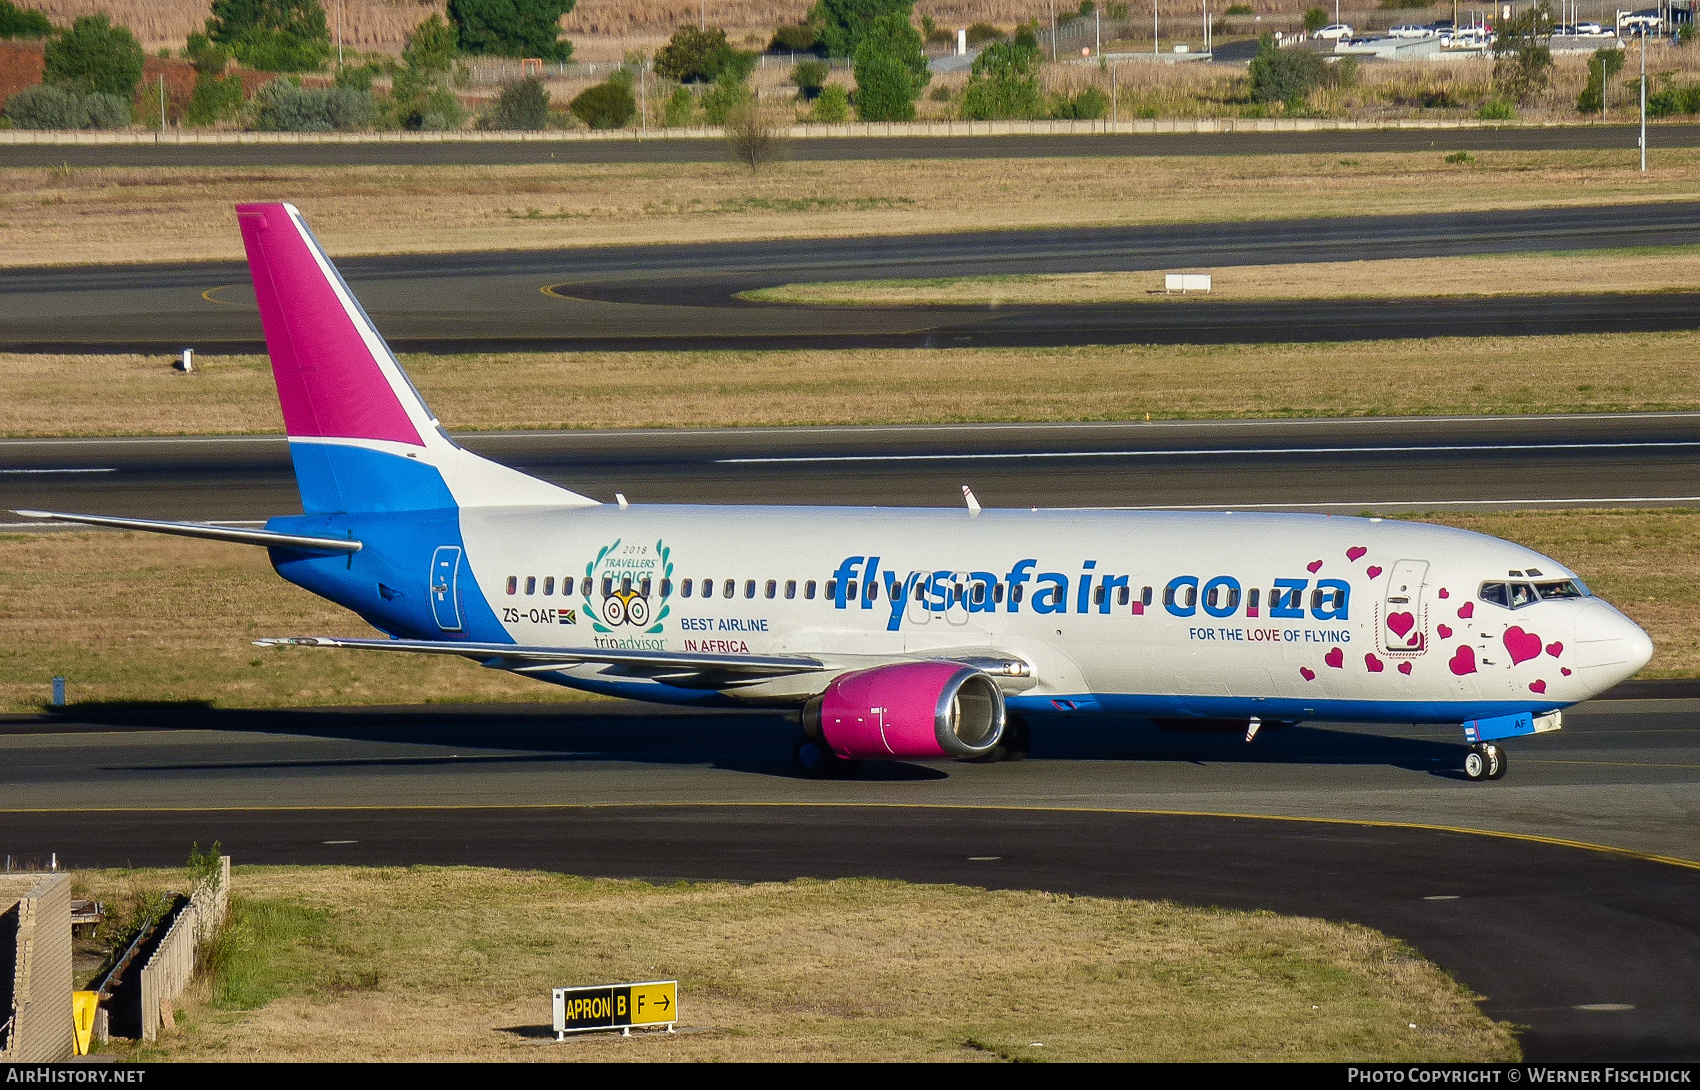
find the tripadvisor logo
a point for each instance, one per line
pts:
(627, 585)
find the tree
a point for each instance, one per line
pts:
(891, 70)
(16, 22)
(1522, 57)
(216, 97)
(272, 35)
(1602, 67)
(419, 94)
(606, 106)
(832, 107)
(94, 55)
(512, 28)
(1285, 75)
(843, 23)
(523, 105)
(1315, 19)
(753, 136)
(1004, 83)
(701, 56)
(727, 94)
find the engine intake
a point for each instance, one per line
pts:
(915, 710)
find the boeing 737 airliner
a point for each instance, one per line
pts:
(898, 633)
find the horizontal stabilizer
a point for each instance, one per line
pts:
(236, 534)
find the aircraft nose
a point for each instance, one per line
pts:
(1609, 647)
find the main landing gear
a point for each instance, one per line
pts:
(1014, 745)
(1485, 761)
(814, 761)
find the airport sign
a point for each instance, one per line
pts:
(616, 1006)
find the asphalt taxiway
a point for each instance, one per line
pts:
(662, 149)
(1340, 466)
(1595, 949)
(685, 297)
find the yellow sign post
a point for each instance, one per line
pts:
(83, 1008)
(616, 1006)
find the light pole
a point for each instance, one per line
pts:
(339, 35)
(1053, 31)
(1643, 99)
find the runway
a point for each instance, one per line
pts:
(661, 149)
(1343, 466)
(1597, 952)
(682, 297)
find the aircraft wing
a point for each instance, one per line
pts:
(687, 669)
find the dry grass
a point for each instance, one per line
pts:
(1673, 269)
(456, 964)
(135, 617)
(141, 618)
(97, 215)
(135, 395)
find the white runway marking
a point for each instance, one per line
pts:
(1219, 452)
(58, 471)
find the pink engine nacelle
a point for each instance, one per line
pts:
(915, 710)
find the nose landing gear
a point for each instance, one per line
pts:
(1485, 761)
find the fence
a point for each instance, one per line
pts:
(172, 965)
(496, 71)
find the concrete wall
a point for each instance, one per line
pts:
(172, 964)
(35, 967)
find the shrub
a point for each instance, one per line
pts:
(1285, 75)
(512, 28)
(272, 35)
(1497, 109)
(1089, 105)
(753, 136)
(606, 106)
(797, 38)
(1239, 9)
(844, 23)
(16, 22)
(1315, 19)
(1602, 66)
(1004, 83)
(1674, 100)
(282, 106)
(680, 108)
(810, 76)
(939, 94)
(832, 107)
(50, 106)
(94, 55)
(1522, 59)
(523, 105)
(983, 32)
(359, 77)
(935, 34)
(419, 96)
(727, 94)
(701, 56)
(1460, 157)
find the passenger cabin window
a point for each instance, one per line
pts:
(685, 589)
(585, 587)
(729, 589)
(997, 593)
(749, 588)
(1015, 593)
(1145, 596)
(1326, 599)
(1221, 598)
(643, 587)
(607, 585)
(772, 588)
(549, 585)
(1251, 598)
(1098, 596)
(531, 584)
(513, 584)
(1290, 599)
(1122, 595)
(872, 590)
(667, 588)
(831, 589)
(625, 584)
(790, 588)
(809, 590)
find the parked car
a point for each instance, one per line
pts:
(1334, 32)
(1594, 29)
(1410, 30)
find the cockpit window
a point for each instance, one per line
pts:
(1517, 595)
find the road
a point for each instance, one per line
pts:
(681, 297)
(1342, 466)
(663, 150)
(1548, 932)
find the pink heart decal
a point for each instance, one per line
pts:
(1355, 553)
(1463, 660)
(1537, 686)
(1405, 668)
(1373, 571)
(1335, 658)
(1307, 673)
(1314, 566)
(1400, 623)
(1444, 630)
(1555, 649)
(1565, 670)
(1522, 646)
(1467, 610)
(1373, 664)
(1443, 593)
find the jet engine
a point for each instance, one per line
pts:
(914, 710)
